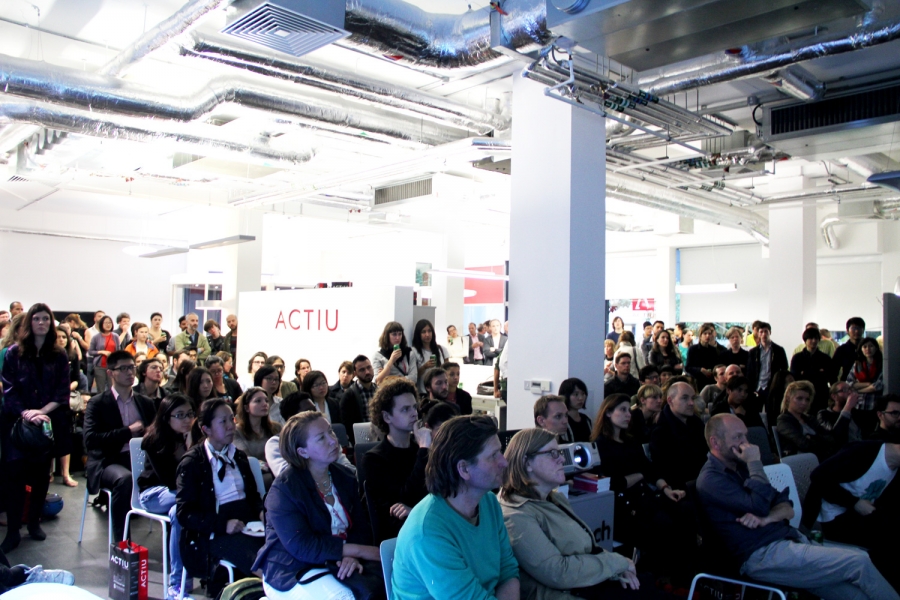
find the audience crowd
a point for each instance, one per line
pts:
(472, 519)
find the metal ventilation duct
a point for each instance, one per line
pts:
(294, 27)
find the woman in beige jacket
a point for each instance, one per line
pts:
(558, 559)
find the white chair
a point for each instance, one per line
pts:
(802, 465)
(362, 433)
(387, 564)
(256, 469)
(109, 527)
(744, 585)
(780, 477)
(137, 467)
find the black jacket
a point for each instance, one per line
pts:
(105, 435)
(463, 401)
(701, 357)
(750, 419)
(678, 449)
(490, 343)
(817, 369)
(352, 410)
(779, 363)
(298, 527)
(848, 465)
(616, 386)
(196, 506)
(843, 358)
(160, 468)
(393, 475)
(846, 433)
(823, 444)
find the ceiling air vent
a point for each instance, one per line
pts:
(403, 191)
(295, 27)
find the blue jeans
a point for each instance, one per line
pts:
(160, 500)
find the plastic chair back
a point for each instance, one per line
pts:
(341, 433)
(780, 477)
(362, 433)
(257, 475)
(505, 436)
(802, 466)
(137, 467)
(387, 564)
(758, 437)
(359, 451)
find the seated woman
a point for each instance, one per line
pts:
(800, 432)
(217, 497)
(557, 555)
(316, 385)
(267, 378)
(655, 520)
(254, 428)
(165, 442)
(315, 517)
(646, 412)
(575, 392)
(199, 386)
(179, 385)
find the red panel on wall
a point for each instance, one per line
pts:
(487, 291)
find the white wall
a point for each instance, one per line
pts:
(742, 265)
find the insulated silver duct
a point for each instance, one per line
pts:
(407, 101)
(70, 87)
(755, 64)
(160, 35)
(83, 122)
(399, 30)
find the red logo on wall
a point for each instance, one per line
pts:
(643, 304)
(295, 319)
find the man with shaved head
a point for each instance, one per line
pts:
(677, 447)
(752, 519)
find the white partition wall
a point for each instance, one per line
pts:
(326, 326)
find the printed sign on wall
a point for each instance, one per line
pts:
(325, 326)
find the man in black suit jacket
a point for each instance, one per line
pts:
(110, 421)
(760, 373)
(493, 343)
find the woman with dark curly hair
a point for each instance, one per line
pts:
(36, 390)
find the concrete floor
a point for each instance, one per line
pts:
(88, 560)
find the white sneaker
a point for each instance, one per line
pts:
(37, 574)
(173, 591)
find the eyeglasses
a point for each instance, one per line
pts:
(893, 413)
(180, 416)
(554, 454)
(125, 369)
(272, 379)
(320, 383)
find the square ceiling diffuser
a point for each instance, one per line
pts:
(294, 27)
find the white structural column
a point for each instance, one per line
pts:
(244, 266)
(447, 291)
(665, 285)
(792, 270)
(557, 249)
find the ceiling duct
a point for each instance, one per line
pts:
(294, 27)
(400, 31)
(850, 212)
(393, 194)
(797, 82)
(645, 34)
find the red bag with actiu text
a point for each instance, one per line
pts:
(129, 571)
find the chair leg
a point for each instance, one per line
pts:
(230, 573)
(183, 583)
(83, 513)
(127, 525)
(109, 524)
(165, 556)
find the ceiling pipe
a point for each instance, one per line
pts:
(51, 83)
(206, 139)
(177, 24)
(408, 101)
(755, 64)
(401, 31)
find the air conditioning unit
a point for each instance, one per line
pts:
(580, 456)
(294, 27)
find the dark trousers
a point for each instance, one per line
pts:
(238, 549)
(117, 478)
(876, 532)
(32, 471)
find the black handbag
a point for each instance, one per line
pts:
(31, 438)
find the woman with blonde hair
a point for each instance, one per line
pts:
(800, 432)
(557, 555)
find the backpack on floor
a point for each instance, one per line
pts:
(250, 588)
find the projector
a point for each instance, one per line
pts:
(580, 456)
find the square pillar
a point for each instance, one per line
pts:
(792, 270)
(557, 249)
(447, 291)
(665, 286)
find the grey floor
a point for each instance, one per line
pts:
(88, 560)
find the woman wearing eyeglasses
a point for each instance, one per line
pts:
(558, 557)
(316, 385)
(166, 441)
(35, 379)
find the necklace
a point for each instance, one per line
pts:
(326, 488)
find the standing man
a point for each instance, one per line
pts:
(476, 345)
(456, 344)
(647, 342)
(766, 359)
(110, 421)
(814, 366)
(4, 316)
(124, 329)
(355, 403)
(15, 307)
(494, 342)
(752, 519)
(182, 325)
(215, 338)
(702, 358)
(231, 336)
(454, 543)
(191, 338)
(845, 355)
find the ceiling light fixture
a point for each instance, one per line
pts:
(706, 288)
(165, 252)
(889, 180)
(470, 274)
(228, 241)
